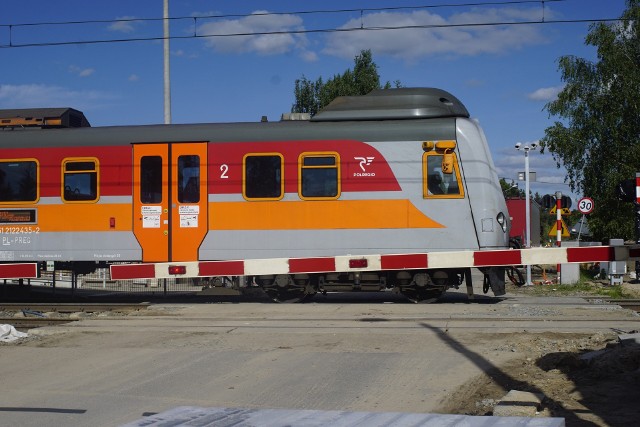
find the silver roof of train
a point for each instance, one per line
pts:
(382, 115)
(393, 104)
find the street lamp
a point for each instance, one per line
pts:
(527, 206)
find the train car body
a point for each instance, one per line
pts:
(397, 171)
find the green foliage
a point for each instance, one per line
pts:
(311, 96)
(598, 139)
(510, 190)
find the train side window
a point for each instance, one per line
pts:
(189, 179)
(18, 181)
(319, 176)
(437, 184)
(262, 176)
(151, 179)
(80, 180)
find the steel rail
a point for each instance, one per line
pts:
(72, 307)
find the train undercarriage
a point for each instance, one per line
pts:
(419, 286)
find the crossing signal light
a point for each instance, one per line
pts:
(548, 201)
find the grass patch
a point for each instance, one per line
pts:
(582, 288)
(586, 286)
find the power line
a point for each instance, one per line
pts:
(362, 27)
(304, 12)
(322, 30)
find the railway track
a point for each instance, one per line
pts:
(72, 307)
(22, 323)
(630, 304)
(35, 315)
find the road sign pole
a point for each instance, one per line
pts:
(585, 206)
(580, 230)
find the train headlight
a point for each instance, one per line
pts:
(502, 221)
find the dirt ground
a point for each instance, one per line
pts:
(590, 380)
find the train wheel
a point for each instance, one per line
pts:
(285, 289)
(289, 296)
(422, 295)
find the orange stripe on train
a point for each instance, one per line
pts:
(276, 215)
(319, 215)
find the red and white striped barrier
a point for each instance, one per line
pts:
(22, 270)
(352, 263)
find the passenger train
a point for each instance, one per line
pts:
(398, 171)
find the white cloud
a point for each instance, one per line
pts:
(124, 25)
(545, 93)
(134, 78)
(41, 96)
(549, 178)
(81, 72)
(309, 56)
(456, 39)
(280, 39)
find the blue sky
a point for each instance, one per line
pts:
(503, 74)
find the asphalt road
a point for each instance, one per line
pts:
(371, 352)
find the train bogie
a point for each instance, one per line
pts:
(395, 172)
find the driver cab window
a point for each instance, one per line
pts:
(438, 184)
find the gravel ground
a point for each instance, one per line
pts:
(590, 380)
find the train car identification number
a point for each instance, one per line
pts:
(20, 230)
(224, 169)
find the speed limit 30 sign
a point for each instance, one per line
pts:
(585, 205)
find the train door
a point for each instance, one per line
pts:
(170, 200)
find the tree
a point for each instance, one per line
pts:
(311, 96)
(510, 189)
(599, 143)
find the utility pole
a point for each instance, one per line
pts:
(527, 231)
(167, 80)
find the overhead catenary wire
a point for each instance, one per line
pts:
(303, 12)
(360, 27)
(321, 30)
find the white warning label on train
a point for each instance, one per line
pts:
(151, 210)
(189, 210)
(188, 221)
(151, 221)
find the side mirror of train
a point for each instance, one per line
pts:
(447, 148)
(447, 162)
